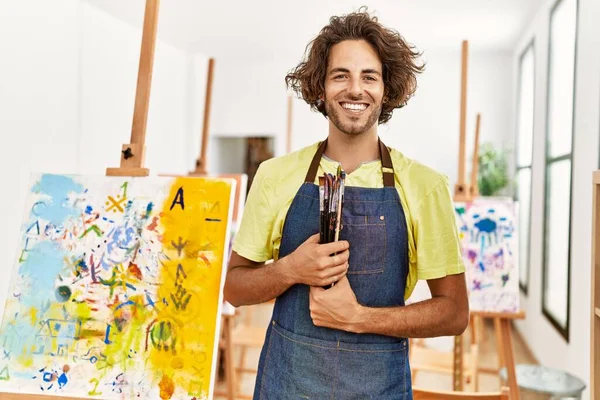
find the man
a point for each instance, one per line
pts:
(349, 341)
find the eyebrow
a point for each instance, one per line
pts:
(346, 70)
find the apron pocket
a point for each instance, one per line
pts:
(371, 371)
(368, 243)
(298, 367)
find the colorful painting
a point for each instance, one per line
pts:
(488, 232)
(116, 290)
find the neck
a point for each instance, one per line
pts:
(350, 150)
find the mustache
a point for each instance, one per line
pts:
(350, 98)
(354, 100)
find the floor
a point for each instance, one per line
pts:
(487, 358)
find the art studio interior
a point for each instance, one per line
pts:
(144, 143)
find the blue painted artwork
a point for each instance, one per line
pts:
(489, 238)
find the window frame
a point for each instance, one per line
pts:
(548, 161)
(530, 47)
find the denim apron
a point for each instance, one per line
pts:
(302, 361)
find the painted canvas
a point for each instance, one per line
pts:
(489, 237)
(116, 289)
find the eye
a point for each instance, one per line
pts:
(370, 78)
(339, 76)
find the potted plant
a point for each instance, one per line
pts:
(493, 170)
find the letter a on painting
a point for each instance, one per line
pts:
(116, 289)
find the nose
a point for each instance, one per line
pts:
(355, 88)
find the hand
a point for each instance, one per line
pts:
(313, 264)
(336, 307)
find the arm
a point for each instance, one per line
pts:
(250, 282)
(437, 243)
(445, 314)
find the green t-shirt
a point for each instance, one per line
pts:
(433, 238)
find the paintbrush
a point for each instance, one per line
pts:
(321, 209)
(332, 208)
(326, 191)
(340, 200)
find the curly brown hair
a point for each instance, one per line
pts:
(398, 59)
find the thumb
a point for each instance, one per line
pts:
(314, 238)
(315, 289)
(343, 281)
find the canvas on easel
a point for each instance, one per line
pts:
(488, 232)
(488, 229)
(116, 287)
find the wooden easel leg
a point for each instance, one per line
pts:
(242, 366)
(475, 366)
(457, 367)
(509, 358)
(230, 374)
(482, 331)
(474, 327)
(499, 343)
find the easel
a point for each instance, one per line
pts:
(462, 192)
(132, 157)
(465, 192)
(202, 160)
(132, 154)
(228, 313)
(228, 335)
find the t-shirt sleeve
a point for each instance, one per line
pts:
(437, 240)
(253, 238)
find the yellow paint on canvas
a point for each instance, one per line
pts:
(127, 341)
(194, 229)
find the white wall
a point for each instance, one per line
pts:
(257, 98)
(38, 103)
(110, 56)
(67, 86)
(547, 344)
(250, 99)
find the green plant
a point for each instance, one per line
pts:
(493, 170)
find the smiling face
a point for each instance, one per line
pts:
(353, 87)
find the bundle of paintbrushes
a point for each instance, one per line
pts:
(331, 200)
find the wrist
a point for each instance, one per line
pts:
(287, 271)
(359, 323)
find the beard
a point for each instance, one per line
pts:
(352, 125)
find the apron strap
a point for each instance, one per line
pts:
(387, 167)
(314, 165)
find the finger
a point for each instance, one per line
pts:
(315, 289)
(314, 238)
(344, 280)
(332, 280)
(313, 295)
(343, 256)
(337, 271)
(336, 259)
(334, 247)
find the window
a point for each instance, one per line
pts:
(559, 157)
(524, 157)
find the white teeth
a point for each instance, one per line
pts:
(351, 106)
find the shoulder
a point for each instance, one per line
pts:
(279, 178)
(416, 180)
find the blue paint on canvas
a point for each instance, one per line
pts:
(58, 187)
